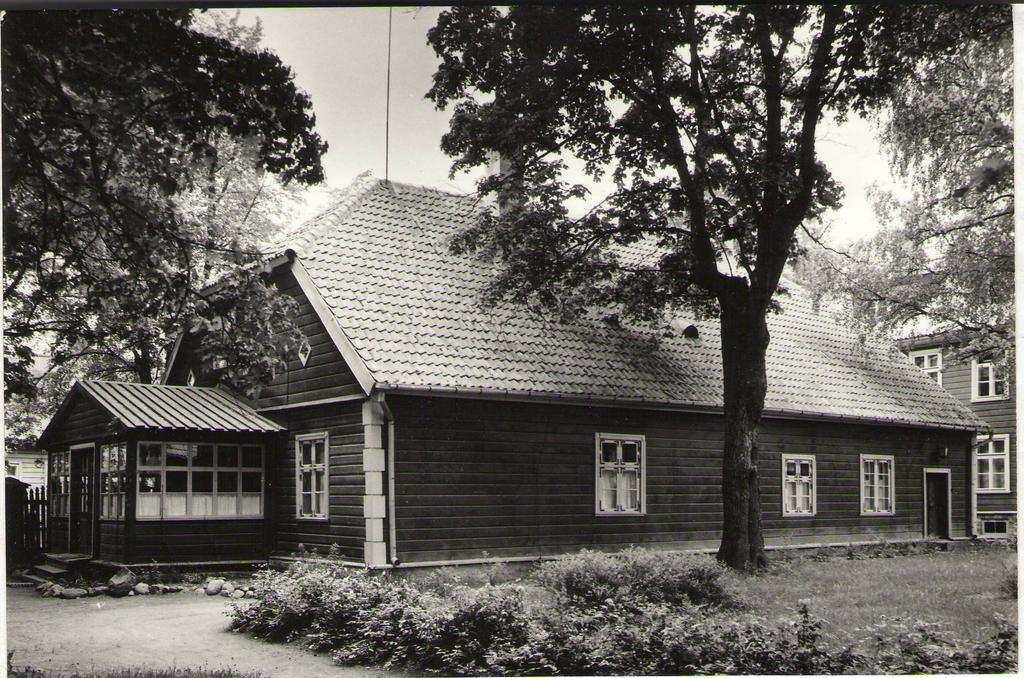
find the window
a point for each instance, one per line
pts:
(876, 486)
(12, 469)
(992, 465)
(312, 480)
(620, 474)
(187, 481)
(988, 381)
(191, 378)
(989, 527)
(799, 491)
(930, 362)
(305, 350)
(112, 481)
(60, 484)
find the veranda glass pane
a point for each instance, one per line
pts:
(177, 454)
(227, 481)
(150, 454)
(227, 504)
(202, 481)
(202, 505)
(251, 481)
(630, 453)
(175, 504)
(149, 481)
(148, 505)
(177, 481)
(252, 504)
(252, 456)
(227, 456)
(204, 456)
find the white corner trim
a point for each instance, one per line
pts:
(341, 341)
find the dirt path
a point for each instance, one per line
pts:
(182, 630)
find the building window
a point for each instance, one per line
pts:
(186, 481)
(620, 474)
(112, 481)
(990, 527)
(930, 362)
(191, 378)
(305, 350)
(12, 469)
(312, 479)
(988, 381)
(799, 480)
(992, 465)
(877, 496)
(60, 484)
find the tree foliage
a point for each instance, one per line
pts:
(943, 260)
(705, 119)
(131, 144)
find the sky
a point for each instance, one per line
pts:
(339, 57)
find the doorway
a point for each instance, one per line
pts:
(936, 504)
(80, 512)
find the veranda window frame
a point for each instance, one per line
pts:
(797, 513)
(980, 456)
(640, 468)
(60, 502)
(324, 468)
(864, 510)
(239, 470)
(107, 475)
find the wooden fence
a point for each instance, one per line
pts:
(26, 522)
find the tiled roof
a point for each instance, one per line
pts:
(410, 308)
(180, 408)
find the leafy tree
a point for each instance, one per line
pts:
(133, 143)
(943, 260)
(706, 120)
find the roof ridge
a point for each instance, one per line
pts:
(308, 232)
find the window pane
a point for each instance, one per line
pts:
(983, 388)
(998, 481)
(999, 387)
(252, 504)
(202, 505)
(630, 497)
(998, 445)
(609, 489)
(251, 481)
(149, 481)
(318, 457)
(204, 456)
(307, 504)
(983, 373)
(227, 482)
(791, 468)
(149, 454)
(933, 360)
(307, 481)
(805, 469)
(202, 481)
(148, 505)
(983, 480)
(919, 360)
(630, 452)
(609, 451)
(998, 465)
(175, 504)
(177, 481)
(227, 504)
(252, 456)
(227, 456)
(177, 454)
(306, 453)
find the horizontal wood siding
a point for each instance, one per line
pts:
(1001, 415)
(325, 374)
(112, 540)
(83, 421)
(345, 526)
(172, 541)
(478, 479)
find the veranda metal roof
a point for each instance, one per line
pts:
(158, 406)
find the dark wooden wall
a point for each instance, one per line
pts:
(325, 374)
(478, 479)
(345, 525)
(166, 541)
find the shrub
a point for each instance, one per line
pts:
(636, 577)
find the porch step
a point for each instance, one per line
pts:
(68, 558)
(34, 579)
(48, 570)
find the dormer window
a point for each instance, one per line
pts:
(304, 352)
(988, 381)
(191, 378)
(929, 361)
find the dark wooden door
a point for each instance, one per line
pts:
(81, 509)
(937, 505)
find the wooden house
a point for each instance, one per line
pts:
(417, 427)
(982, 385)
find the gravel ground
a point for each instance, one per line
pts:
(182, 630)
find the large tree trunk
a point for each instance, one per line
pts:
(744, 345)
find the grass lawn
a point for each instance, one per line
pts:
(958, 589)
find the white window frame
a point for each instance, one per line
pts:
(112, 502)
(326, 469)
(892, 484)
(786, 513)
(15, 467)
(985, 533)
(215, 469)
(642, 475)
(60, 477)
(926, 353)
(1004, 455)
(975, 398)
